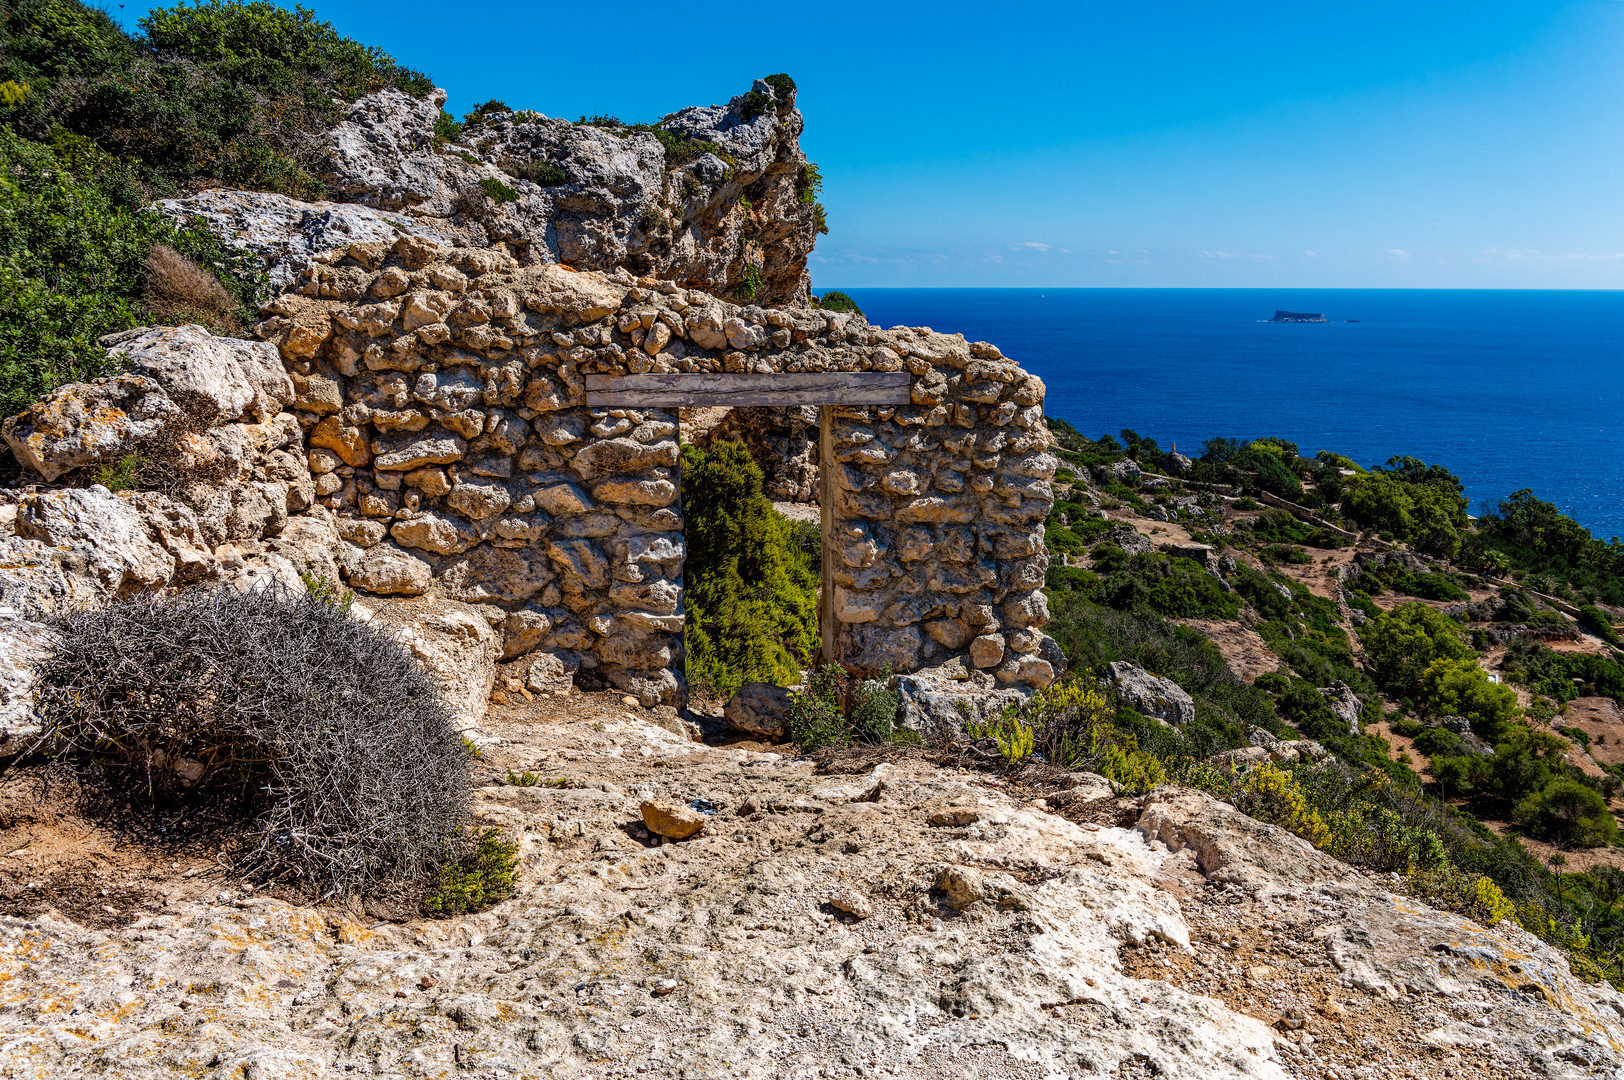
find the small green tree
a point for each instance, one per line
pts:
(1400, 645)
(750, 589)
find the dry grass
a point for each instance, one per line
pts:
(178, 290)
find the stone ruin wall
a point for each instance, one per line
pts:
(441, 393)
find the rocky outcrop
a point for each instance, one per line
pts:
(914, 921)
(1150, 694)
(284, 235)
(1344, 704)
(713, 197)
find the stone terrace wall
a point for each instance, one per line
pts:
(442, 395)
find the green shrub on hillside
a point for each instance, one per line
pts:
(1400, 645)
(216, 93)
(1174, 588)
(835, 300)
(835, 707)
(1534, 536)
(751, 590)
(1410, 500)
(76, 263)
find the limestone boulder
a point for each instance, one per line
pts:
(759, 708)
(1344, 704)
(549, 673)
(108, 530)
(213, 379)
(1150, 694)
(594, 204)
(672, 821)
(24, 646)
(456, 647)
(940, 708)
(82, 424)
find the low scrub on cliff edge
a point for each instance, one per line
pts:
(318, 737)
(1360, 815)
(750, 588)
(77, 261)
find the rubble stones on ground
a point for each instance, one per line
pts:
(758, 708)
(1151, 695)
(670, 820)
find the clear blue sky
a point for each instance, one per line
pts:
(1430, 143)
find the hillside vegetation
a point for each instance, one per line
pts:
(96, 122)
(1475, 688)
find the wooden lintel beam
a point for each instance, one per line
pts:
(800, 388)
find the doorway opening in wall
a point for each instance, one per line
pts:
(756, 581)
(751, 526)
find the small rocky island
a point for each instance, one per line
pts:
(1298, 316)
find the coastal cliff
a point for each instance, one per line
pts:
(1133, 764)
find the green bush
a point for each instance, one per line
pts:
(1429, 586)
(479, 879)
(750, 587)
(835, 707)
(1569, 811)
(835, 300)
(74, 265)
(497, 191)
(1563, 676)
(1400, 645)
(1410, 500)
(1174, 588)
(1597, 622)
(213, 94)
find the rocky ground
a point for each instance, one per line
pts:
(906, 918)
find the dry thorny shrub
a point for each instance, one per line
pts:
(178, 289)
(315, 732)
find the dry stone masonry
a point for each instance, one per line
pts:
(442, 393)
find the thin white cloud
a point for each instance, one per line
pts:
(1029, 245)
(1397, 253)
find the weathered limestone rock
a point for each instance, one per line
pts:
(759, 708)
(672, 821)
(213, 379)
(24, 646)
(605, 198)
(287, 235)
(1344, 703)
(458, 649)
(80, 424)
(1150, 694)
(549, 673)
(110, 532)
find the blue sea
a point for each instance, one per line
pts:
(1510, 389)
